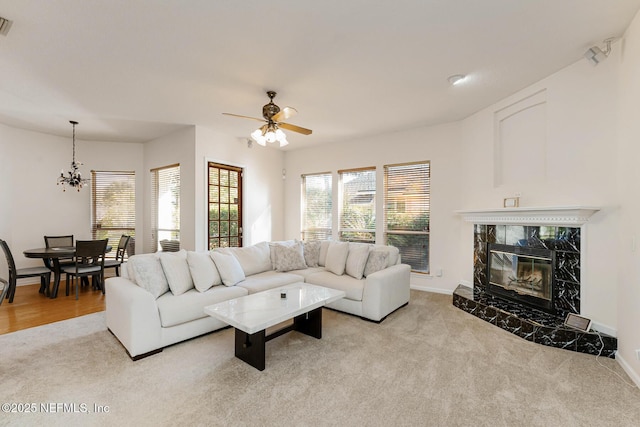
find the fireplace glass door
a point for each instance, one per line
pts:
(522, 274)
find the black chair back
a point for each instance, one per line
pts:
(91, 252)
(58, 241)
(10, 263)
(122, 247)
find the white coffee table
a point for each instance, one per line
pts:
(251, 315)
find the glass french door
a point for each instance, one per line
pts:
(225, 206)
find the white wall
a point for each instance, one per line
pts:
(439, 144)
(33, 205)
(629, 202)
(263, 207)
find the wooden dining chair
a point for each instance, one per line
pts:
(9, 290)
(60, 242)
(120, 253)
(89, 262)
(4, 289)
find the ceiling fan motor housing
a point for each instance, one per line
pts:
(269, 110)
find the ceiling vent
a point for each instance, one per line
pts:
(5, 25)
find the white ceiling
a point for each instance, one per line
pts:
(133, 70)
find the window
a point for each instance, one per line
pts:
(165, 204)
(225, 206)
(358, 205)
(407, 191)
(113, 206)
(316, 206)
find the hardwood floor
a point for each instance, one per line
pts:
(30, 308)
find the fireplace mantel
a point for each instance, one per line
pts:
(556, 215)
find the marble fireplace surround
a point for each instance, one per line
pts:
(557, 228)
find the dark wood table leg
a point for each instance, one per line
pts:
(250, 348)
(309, 323)
(56, 278)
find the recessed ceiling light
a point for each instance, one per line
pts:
(456, 79)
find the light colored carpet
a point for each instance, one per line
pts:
(427, 364)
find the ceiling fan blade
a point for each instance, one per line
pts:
(244, 117)
(284, 114)
(295, 128)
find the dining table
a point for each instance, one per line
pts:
(51, 257)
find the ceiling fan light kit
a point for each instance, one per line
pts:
(265, 134)
(273, 116)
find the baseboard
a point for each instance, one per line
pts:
(434, 290)
(627, 368)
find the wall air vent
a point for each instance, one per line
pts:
(5, 25)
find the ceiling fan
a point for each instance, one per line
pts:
(273, 117)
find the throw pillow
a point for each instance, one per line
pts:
(357, 259)
(289, 258)
(177, 272)
(324, 246)
(147, 273)
(253, 259)
(203, 271)
(311, 252)
(337, 257)
(377, 261)
(230, 270)
(272, 251)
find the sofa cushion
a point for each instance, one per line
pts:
(229, 267)
(175, 310)
(288, 257)
(357, 259)
(268, 280)
(337, 257)
(377, 261)
(307, 271)
(353, 288)
(311, 252)
(146, 270)
(176, 270)
(253, 259)
(324, 247)
(272, 253)
(394, 253)
(203, 271)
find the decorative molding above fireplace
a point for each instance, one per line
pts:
(557, 215)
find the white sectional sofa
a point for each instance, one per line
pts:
(159, 300)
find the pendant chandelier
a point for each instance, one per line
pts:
(73, 178)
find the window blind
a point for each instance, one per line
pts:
(407, 194)
(113, 212)
(316, 206)
(358, 207)
(165, 204)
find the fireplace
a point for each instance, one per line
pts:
(527, 275)
(522, 274)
